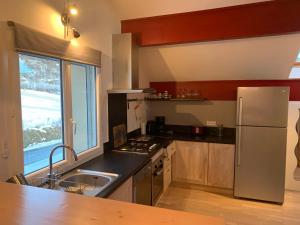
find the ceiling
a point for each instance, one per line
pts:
(130, 9)
(241, 59)
(263, 58)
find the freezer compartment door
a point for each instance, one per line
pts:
(260, 163)
(263, 106)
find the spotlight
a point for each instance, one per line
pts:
(69, 11)
(76, 33)
(73, 10)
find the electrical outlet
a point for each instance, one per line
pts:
(211, 123)
(4, 151)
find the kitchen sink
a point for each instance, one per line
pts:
(91, 180)
(85, 182)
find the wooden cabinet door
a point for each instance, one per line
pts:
(124, 192)
(167, 177)
(190, 162)
(221, 165)
(168, 165)
(171, 148)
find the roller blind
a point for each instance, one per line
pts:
(32, 41)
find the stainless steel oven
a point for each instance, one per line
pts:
(157, 176)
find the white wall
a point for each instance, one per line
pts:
(136, 111)
(291, 162)
(195, 113)
(131, 9)
(96, 21)
(240, 59)
(10, 110)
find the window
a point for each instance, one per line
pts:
(295, 73)
(83, 79)
(298, 58)
(44, 102)
(40, 80)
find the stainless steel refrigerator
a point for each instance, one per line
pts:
(261, 134)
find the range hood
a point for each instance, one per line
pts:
(125, 65)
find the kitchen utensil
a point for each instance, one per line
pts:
(120, 135)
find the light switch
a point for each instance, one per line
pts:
(211, 123)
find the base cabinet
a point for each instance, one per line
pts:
(204, 163)
(190, 162)
(221, 165)
(168, 165)
(124, 192)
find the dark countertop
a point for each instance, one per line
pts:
(209, 134)
(209, 139)
(128, 164)
(124, 164)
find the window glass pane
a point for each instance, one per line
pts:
(41, 110)
(84, 107)
(295, 73)
(298, 58)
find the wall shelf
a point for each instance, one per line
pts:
(177, 99)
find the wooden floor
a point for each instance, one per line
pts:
(235, 211)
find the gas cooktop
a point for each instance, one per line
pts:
(141, 145)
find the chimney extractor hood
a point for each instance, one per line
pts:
(125, 65)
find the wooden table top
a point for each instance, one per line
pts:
(23, 205)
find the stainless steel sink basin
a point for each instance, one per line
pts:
(91, 180)
(86, 182)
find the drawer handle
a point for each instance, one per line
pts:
(158, 173)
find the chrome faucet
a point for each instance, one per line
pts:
(53, 176)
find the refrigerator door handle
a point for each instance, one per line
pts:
(240, 111)
(239, 135)
(238, 147)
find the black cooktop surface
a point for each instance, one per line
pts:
(140, 145)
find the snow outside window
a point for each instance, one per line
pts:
(43, 109)
(41, 97)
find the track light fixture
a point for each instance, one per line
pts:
(76, 34)
(70, 10)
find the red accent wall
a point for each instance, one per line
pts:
(242, 21)
(224, 90)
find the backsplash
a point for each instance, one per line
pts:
(194, 113)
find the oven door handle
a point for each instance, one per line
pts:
(158, 173)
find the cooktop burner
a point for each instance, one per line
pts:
(141, 139)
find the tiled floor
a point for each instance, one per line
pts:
(235, 211)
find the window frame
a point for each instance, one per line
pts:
(68, 110)
(61, 101)
(70, 100)
(68, 162)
